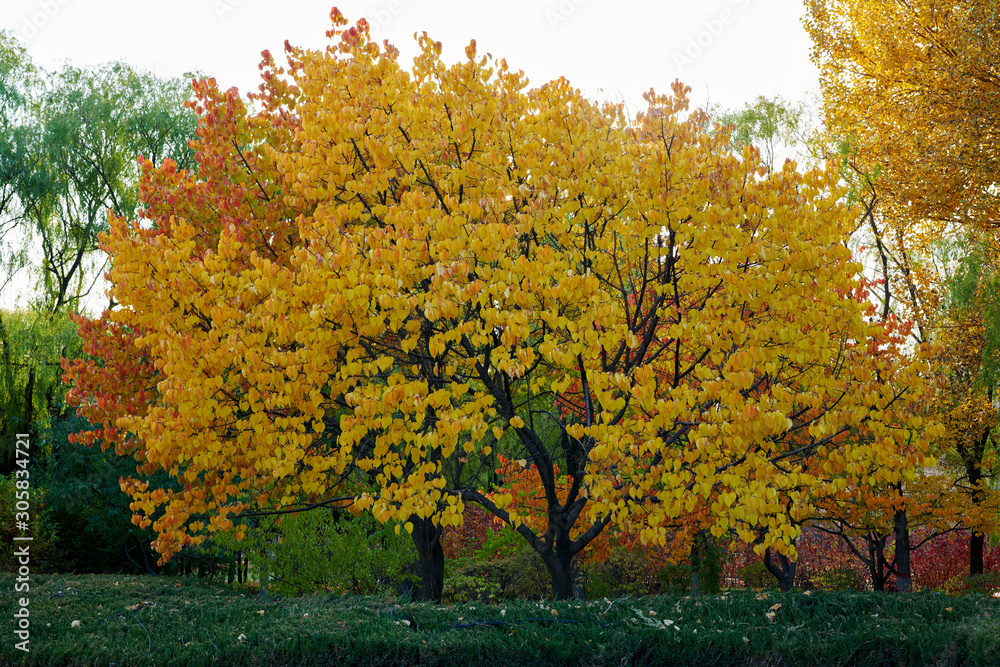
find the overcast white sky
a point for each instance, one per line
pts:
(728, 51)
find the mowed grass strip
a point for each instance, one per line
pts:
(127, 620)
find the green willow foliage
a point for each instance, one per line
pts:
(31, 390)
(975, 285)
(69, 143)
(324, 550)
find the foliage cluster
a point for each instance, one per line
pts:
(328, 551)
(910, 98)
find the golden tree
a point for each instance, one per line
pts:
(916, 85)
(914, 89)
(467, 249)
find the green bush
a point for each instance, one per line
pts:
(975, 584)
(325, 550)
(675, 579)
(755, 575)
(44, 549)
(839, 579)
(526, 577)
(505, 543)
(471, 582)
(987, 583)
(521, 576)
(710, 555)
(89, 512)
(623, 572)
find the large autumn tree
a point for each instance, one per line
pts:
(451, 251)
(913, 89)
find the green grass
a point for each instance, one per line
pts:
(126, 620)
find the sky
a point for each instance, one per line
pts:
(728, 51)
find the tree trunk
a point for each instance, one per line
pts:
(901, 560)
(579, 581)
(977, 542)
(783, 571)
(427, 539)
(556, 548)
(560, 566)
(557, 551)
(695, 568)
(876, 563)
(977, 547)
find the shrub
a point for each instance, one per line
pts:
(976, 584)
(987, 583)
(326, 550)
(43, 532)
(90, 514)
(521, 576)
(674, 579)
(755, 575)
(839, 579)
(623, 572)
(472, 582)
(710, 564)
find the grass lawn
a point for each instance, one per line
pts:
(129, 620)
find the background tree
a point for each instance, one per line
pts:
(776, 127)
(967, 352)
(31, 393)
(915, 84)
(89, 129)
(18, 80)
(913, 88)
